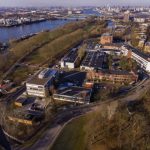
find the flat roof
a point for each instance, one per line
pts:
(71, 56)
(76, 77)
(137, 51)
(113, 50)
(147, 43)
(117, 72)
(25, 100)
(74, 92)
(113, 44)
(94, 59)
(106, 34)
(38, 81)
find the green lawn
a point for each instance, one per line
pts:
(73, 136)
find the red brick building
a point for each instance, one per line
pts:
(112, 75)
(106, 38)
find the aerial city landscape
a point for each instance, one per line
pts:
(74, 75)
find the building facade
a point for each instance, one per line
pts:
(78, 95)
(126, 16)
(112, 75)
(106, 38)
(71, 60)
(40, 85)
(147, 47)
(141, 58)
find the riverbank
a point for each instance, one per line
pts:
(27, 23)
(17, 32)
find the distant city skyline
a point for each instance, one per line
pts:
(40, 3)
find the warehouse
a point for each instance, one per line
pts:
(94, 60)
(71, 60)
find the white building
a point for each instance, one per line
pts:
(139, 19)
(141, 58)
(71, 60)
(39, 85)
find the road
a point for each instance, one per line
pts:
(11, 97)
(51, 134)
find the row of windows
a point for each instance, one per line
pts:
(35, 89)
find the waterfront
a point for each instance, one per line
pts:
(7, 34)
(17, 32)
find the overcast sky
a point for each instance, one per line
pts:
(72, 2)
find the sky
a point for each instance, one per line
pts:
(49, 3)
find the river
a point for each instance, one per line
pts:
(7, 34)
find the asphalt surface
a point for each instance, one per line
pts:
(11, 97)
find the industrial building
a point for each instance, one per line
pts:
(71, 60)
(141, 58)
(93, 60)
(40, 84)
(78, 95)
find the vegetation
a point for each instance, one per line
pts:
(105, 93)
(81, 51)
(127, 64)
(114, 129)
(55, 47)
(74, 135)
(20, 74)
(134, 35)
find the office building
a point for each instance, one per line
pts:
(40, 84)
(141, 58)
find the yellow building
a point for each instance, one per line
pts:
(147, 47)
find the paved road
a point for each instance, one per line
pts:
(49, 137)
(3, 140)
(14, 95)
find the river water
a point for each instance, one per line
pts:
(7, 34)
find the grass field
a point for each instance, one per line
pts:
(73, 136)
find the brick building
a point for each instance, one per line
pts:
(106, 38)
(147, 47)
(112, 75)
